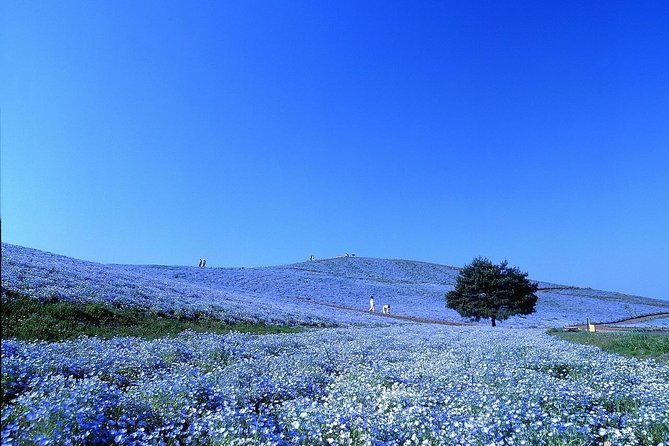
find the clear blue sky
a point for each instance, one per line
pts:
(258, 133)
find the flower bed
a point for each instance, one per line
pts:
(409, 385)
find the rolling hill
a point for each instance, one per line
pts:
(300, 293)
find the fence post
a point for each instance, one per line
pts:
(591, 326)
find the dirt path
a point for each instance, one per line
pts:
(421, 320)
(601, 326)
(646, 317)
(619, 325)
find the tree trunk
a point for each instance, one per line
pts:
(494, 323)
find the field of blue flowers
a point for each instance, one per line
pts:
(367, 381)
(277, 295)
(403, 385)
(184, 292)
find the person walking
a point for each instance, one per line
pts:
(199, 265)
(372, 308)
(204, 263)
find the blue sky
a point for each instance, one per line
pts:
(258, 133)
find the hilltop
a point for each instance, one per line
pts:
(293, 293)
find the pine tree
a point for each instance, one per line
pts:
(485, 290)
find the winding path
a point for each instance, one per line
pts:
(421, 320)
(619, 325)
(645, 317)
(601, 326)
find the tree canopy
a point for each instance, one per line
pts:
(486, 290)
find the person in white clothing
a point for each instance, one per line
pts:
(386, 309)
(372, 308)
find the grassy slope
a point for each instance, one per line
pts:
(636, 345)
(27, 319)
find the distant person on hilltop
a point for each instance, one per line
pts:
(204, 263)
(199, 265)
(372, 308)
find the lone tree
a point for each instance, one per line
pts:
(485, 290)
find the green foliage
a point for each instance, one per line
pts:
(636, 345)
(29, 319)
(485, 290)
(560, 370)
(656, 434)
(622, 404)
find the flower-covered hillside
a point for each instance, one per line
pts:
(48, 276)
(291, 293)
(411, 288)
